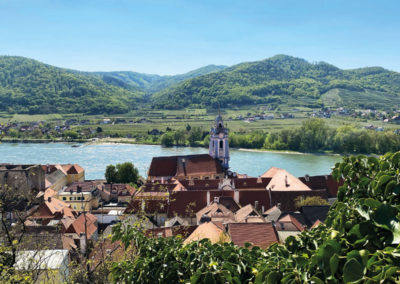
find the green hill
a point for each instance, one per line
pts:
(28, 86)
(285, 80)
(151, 83)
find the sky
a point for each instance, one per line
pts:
(172, 37)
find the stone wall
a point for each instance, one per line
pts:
(22, 177)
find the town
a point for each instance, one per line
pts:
(69, 219)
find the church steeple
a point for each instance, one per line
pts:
(219, 146)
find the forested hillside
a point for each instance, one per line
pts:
(285, 80)
(28, 86)
(151, 83)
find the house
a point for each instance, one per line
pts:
(213, 231)
(288, 226)
(272, 214)
(314, 213)
(248, 214)
(117, 193)
(49, 266)
(27, 178)
(281, 180)
(58, 176)
(83, 229)
(50, 210)
(82, 196)
(215, 212)
(257, 234)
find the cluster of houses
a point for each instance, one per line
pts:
(195, 196)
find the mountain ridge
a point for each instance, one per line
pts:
(29, 86)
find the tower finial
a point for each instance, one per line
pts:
(219, 109)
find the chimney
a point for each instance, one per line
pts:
(208, 197)
(236, 196)
(286, 182)
(256, 204)
(82, 242)
(162, 180)
(216, 199)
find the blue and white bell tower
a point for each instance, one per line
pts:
(219, 145)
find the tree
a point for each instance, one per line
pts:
(71, 134)
(99, 129)
(127, 173)
(167, 140)
(309, 201)
(13, 133)
(195, 135)
(111, 174)
(179, 137)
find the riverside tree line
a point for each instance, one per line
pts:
(314, 135)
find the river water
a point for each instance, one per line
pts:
(95, 158)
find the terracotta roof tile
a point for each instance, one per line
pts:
(316, 224)
(286, 198)
(284, 181)
(290, 224)
(248, 214)
(184, 165)
(258, 234)
(78, 226)
(209, 231)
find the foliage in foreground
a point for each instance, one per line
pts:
(358, 243)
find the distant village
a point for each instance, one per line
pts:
(194, 196)
(93, 128)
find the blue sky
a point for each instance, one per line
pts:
(170, 37)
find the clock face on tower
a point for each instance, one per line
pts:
(221, 135)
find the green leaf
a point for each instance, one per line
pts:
(334, 263)
(353, 271)
(316, 280)
(273, 277)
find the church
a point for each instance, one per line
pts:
(213, 165)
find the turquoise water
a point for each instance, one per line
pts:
(95, 158)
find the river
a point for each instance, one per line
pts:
(95, 158)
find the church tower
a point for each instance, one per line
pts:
(219, 146)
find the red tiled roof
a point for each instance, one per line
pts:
(197, 164)
(86, 186)
(286, 198)
(163, 166)
(121, 189)
(251, 196)
(184, 231)
(322, 182)
(239, 183)
(289, 219)
(184, 165)
(72, 169)
(259, 234)
(187, 203)
(78, 226)
(316, 224)
(157, 187)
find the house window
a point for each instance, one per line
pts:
(74, 206)
(221, 144)
(64, 198)
(216, 177)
